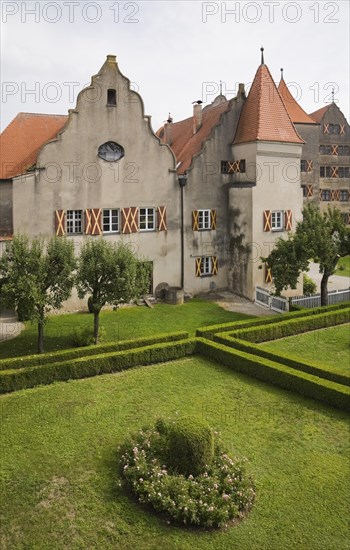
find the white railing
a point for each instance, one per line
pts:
(334, 297)
(276, 303)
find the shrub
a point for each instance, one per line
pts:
(191, 446)
(93, 365)
(99, 349)
(309, 286)
(85, 337)
(279, 375)
(221, 493)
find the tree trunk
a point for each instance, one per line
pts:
(324, 289)
(41, 335)
(96, 325)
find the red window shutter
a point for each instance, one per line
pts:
(337, 195)
(129, 220)
(309, 165)
(213, 219)
(267, 220)
(96, 221)
(125, 220)
(310, 191)
(332, 195)
(334, 149)
(134, 222)
(326, 128)
(288, 220)
(161, 218)
(88, 222)
(334, 172)
(195, 223)
(198, 266)
(268, 274)
(60, 221)
(214, 265)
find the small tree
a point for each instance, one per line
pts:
(321, 236)
(109, 274)
(35, 277)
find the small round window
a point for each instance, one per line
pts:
(110, 151)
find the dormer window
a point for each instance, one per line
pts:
(111, 97)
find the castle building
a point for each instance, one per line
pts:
(202, 199)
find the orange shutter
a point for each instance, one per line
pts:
(288, 220)
(268, 274)
(337, 195)
(326, 128)
(161, 218)
(267, 220)
(129, 220)
(334, 172)
(214, 265)
(195, 223)
(198, 265)
(332, 195)
(213, 219)
(310, 190)
(309, 165)
(96, 221)
(342, 129)
(334, 149)
(60, 219)
(88, 222)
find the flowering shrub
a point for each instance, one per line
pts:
(211, 499)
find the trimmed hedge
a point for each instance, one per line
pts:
(208, 332)
(190, 443)
(293, 326)
(75, 353)
(282, 376)
(315, 368)
(84, 367)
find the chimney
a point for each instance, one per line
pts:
(241, 90)
(168, 131)
(197, 115)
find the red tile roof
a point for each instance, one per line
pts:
(185, 144)
(21, 140)
(317, 116)
(264, 116)
(296, 113)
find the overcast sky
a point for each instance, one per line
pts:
(174, 52)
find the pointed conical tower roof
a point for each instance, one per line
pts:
(264, 116)
(296, 113)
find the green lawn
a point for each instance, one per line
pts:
(328, 346)
(343, 267)
(59, 472)
(124, 324)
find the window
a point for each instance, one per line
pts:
(233, 166)
(325, 150)
(305, 193)
(204, 220)
(206, 266)
(111, 97)
(147, 219)
(325, 172)
(277, 220)
(74, 221)
(344, 195)
(110, 220)
(110, 151)
(343, 172)
(325, 195)
(303, 166)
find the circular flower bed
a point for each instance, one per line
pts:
(222, 492)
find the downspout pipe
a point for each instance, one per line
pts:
(182, 184)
